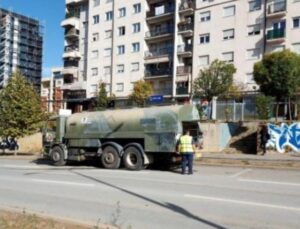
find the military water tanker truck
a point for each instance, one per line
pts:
(132, 137)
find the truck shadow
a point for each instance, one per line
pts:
(169, 206)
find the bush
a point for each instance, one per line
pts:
(264, 106)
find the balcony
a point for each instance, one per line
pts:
(72, 52)
(185, 50)
(160, 34)
(276, 9)
(183, 73)
(74, 2)
(187, 30)
(159, 14)
(151, 73)
(187, 7)
(276, 36)
(182, 91)
(71, 20)
(163, 91)
(72, 33)
(161, 55)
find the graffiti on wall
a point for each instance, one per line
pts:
(284, 136)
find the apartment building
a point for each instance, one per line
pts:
(51, 91)
(21, 43)
(241, 32)
(167, 42)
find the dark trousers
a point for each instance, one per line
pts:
(187, 160)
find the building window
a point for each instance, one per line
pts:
(249, 78)
(121, 49)
(108, 34)
(96, 19)
(95, 54)
(254, 5)
(107, 70)
(136, 47)
(96, 3)
(137, 8)
(228, 56)
(228, 34)
(120, 87)
(254, 29)
(122, 12)
(107, 87)
(94, 88)
(205, 16)
(121, 31)
(204, 38)
(204, 60)
(107, 52)
(296, 22)
(253, 54)
(296, 48)
(229, 11)
(120, 68)
(136, 27)
(94, 71)
(135, 67)
(109, 15)
(95, 37)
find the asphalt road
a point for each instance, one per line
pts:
(214, 197)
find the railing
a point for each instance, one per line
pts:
(188, 4)
(185, 27)
(72, 14)
(160, 52)
(71, 48)
(182, 91)
(72, 32)
(277, 7)
(184, 48)
(167, 9)
(161, 31)
(275, 34)
(182, 70)
(165, 91)
(158, 72)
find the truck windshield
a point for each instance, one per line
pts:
(51, 126)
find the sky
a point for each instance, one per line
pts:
(50, 13)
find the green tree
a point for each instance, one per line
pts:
(215, 80)
(102, 99)
(141, 92)
(21, 111)
(264, 106)
(278, 75)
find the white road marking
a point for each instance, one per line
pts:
(242, 202)
(241, 172)
(23, 166)
(269, 182)
(63, 182)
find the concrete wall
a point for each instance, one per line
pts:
(216, 136)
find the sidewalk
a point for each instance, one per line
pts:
(271, 160)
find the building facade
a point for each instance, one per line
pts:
(51, 91)
(167, 42)
(21, 47)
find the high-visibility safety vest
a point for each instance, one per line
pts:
(185, 144)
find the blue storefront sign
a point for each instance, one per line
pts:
(156, 98)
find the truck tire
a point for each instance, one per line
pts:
(57, 156)
(110, 158)
(132, 158)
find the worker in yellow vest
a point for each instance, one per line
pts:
(187, 149)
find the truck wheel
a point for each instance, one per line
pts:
(132, 159)
(110, 158)
(57, 156)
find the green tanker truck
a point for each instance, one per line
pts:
(133, 137)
